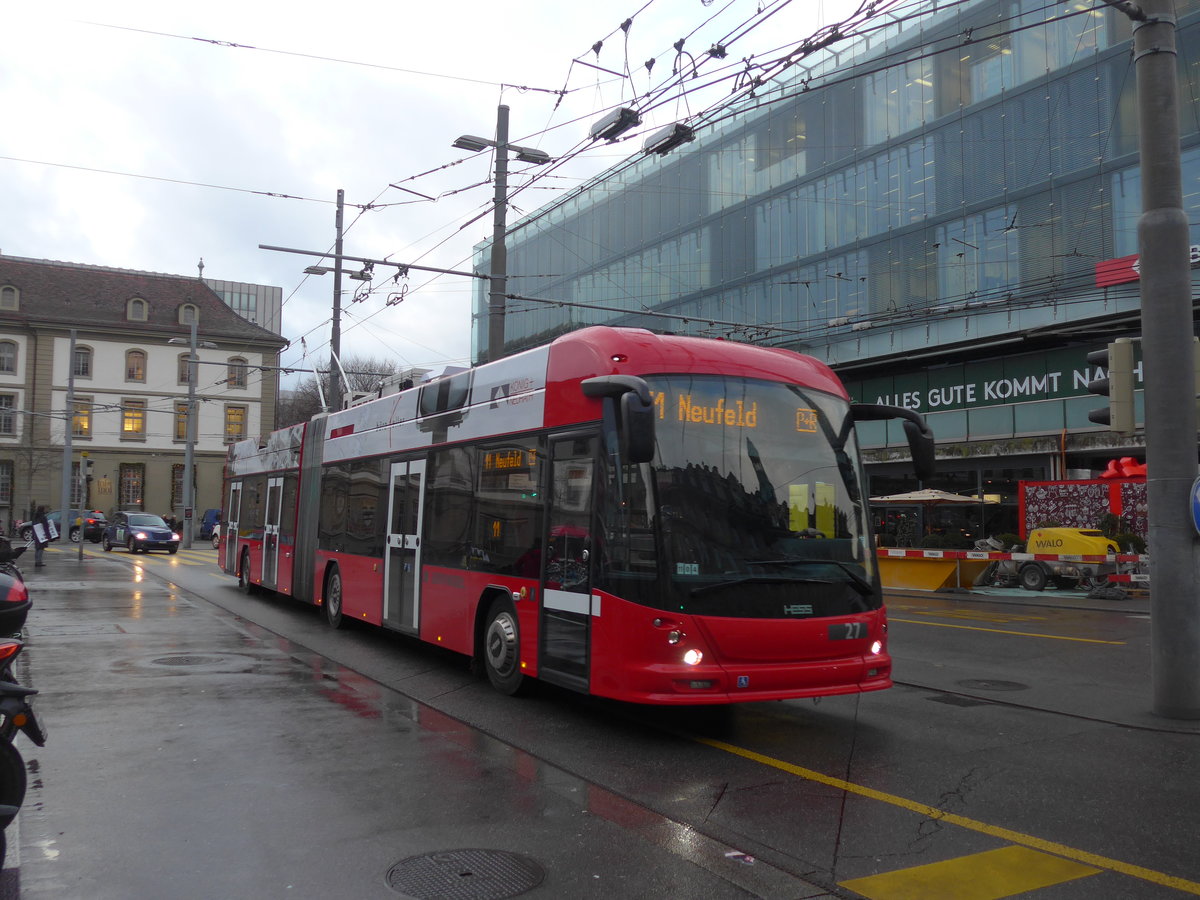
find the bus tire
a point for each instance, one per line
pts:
(1033, 577)
(245, 585)
(502, 649)
(334, 598)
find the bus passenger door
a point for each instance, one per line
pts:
(270, 562)
(234, 507)
(402, 566)
(567, 592)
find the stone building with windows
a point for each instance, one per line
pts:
(129, 406)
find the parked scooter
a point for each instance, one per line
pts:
(16, 711)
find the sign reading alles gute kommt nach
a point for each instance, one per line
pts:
(1052, 375)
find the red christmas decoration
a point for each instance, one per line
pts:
(1125, 467)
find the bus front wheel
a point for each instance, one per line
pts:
(333, 598)
(502, 649)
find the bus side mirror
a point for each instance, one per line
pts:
(636, 425)
(637, 429)
(920, 437)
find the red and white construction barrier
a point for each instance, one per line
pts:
(892, 552)
(1115, 558)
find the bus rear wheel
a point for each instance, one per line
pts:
(502, 649)
(333, 598)
(245, 585)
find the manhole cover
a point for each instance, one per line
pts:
(465, 875)
(194, 660)
(987, 684)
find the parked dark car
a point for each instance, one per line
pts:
(209, 522)
(94, 523)
(140, 531)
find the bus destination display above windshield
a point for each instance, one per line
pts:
(681, 406)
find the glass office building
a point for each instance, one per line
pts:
(944, 209)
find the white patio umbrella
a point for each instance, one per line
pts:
(927, 497)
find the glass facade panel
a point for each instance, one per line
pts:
(990, 422)
(1039, 418)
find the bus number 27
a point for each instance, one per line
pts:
(847, 631)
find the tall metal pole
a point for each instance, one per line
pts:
(1167, 329)
(189, 452)
(67, 512)
(499, 269)
(335, 337)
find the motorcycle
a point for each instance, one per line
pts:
(16, 710)
(16, 713)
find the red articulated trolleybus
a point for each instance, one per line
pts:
(653, 519)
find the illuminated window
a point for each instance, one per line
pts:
(181, 417)
(133, 420)
(81, 420)
(132, 478)
(235, 423)
(135, 365)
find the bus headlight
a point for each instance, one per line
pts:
(693, 657)
(876, 648)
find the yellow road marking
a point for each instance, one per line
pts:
(991, 875)
(940, 815)
(976, 615)
(1052, 637)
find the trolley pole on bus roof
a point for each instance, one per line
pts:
(1167, 342)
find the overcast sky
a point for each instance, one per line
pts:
(127, 142)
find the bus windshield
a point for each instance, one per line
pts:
(760, 509)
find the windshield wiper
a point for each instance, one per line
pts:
(865, 587)
(755, 579)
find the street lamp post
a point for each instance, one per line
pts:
(189, 452)
(499, 253)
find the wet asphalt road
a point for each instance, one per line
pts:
(207, 744)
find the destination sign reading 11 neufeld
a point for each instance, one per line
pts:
(739, 414)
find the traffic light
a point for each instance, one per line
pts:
(1117, 361)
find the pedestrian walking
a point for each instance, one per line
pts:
(43, 533)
